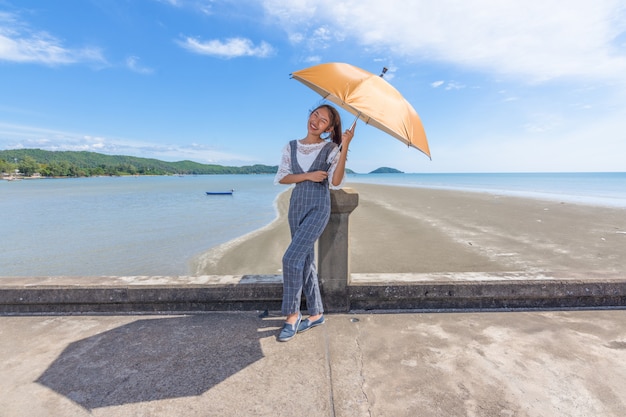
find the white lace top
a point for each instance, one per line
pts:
(306, 154)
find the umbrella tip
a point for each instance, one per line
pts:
(382, 74)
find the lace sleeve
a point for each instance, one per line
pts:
(284, 168)
(335, 160)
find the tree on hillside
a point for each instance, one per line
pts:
(78, 164)
(56, 169)
(5, 167)
(28, 166)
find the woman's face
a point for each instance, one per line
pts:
(319, 121)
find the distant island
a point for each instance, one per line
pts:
(386, 170)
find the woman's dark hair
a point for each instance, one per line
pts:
(335, 122)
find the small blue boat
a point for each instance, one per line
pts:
(220, 192)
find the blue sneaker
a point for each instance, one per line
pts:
(289, 330)
(307, 324)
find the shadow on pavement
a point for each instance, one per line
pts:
(154, 359)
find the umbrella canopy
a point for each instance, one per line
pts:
(369, 97)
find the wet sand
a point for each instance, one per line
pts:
(404, 230)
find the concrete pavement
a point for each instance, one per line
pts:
(523, 363)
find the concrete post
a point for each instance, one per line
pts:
(333, 251)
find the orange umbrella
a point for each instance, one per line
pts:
(369, 97)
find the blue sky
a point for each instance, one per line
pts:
(500, 85)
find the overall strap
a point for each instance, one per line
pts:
(295, 166)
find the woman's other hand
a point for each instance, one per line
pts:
(318, 176)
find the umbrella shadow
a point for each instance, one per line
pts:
(155, 359)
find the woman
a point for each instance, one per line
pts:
(312, 164)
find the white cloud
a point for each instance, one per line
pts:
(544, 123)
(175, 3)
(14, 136)
(453, 85)
(545, 146)
(132, 62)
(204, 7)
(18, 43)
(230, 48)
(532, 40)
(315, 59)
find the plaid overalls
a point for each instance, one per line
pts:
(309, 211)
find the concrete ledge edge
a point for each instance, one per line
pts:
(263, 292)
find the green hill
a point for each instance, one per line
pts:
(85, 164)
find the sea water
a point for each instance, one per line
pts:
(125, 225)
(606, 189)
(157, 225)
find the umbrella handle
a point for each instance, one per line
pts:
(355, 120)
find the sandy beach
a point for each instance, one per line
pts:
(404, 230)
